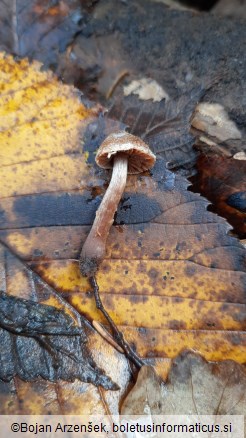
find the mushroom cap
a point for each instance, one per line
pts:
(140, 157)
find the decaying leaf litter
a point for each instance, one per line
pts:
(194, 387)
(127, 204)
(41, 341)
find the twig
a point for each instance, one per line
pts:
(106, 335)
(118, 336)
(116, 82)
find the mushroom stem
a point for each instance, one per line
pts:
(94, 248)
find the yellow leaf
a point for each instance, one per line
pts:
(41, 135)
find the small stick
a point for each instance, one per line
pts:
(118, 336)
(116, 82)
(106, 335)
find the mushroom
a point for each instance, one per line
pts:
(124, 153)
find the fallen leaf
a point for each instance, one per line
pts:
(40, 340)
(175, 5)
(222, 181)
(146, 89)
(190, 383)
(172, 277)
(239, 156)
(213, 119)
(164, 126)
(229, 9)
(39, 29)
(39, 396)
(41, 136)
(95, 65)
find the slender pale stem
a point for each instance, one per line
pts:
(94, 248)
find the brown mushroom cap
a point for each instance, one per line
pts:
(140, 157)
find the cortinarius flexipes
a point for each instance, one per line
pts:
(124, 153)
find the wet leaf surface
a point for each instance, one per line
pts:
(40, 341)
(25, 317)
(38, 29)
(36, 134)
(66, 361)
(222, 180)
(172, 277)
(191, 382)
(165, 126)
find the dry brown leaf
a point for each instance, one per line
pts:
(146, 89)
(95, 65)
(193, 386)
(213, 119)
